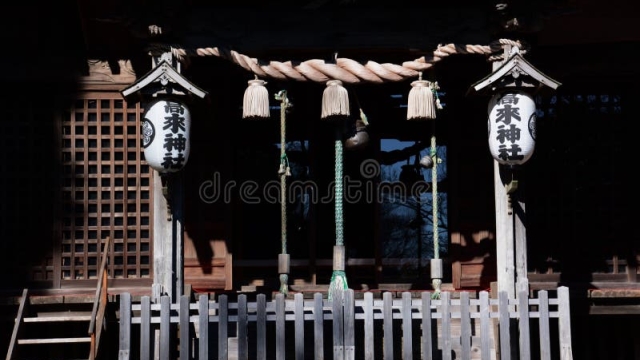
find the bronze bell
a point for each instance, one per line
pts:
(426, 162)
(360, 138)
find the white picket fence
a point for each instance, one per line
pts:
(368, 328)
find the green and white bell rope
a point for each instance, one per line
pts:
(283, 171)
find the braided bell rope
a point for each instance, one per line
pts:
(347, 70)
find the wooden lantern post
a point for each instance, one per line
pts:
(516, 78)
(165, 131)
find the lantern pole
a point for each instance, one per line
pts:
(504, 219)
(165, 133)
(511, 76)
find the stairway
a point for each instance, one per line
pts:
(55, 328)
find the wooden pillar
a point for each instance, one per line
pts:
(168, 237)
(177, 196)
(504, 222)
(504, 235)
(520, 234)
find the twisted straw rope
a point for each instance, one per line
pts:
(347, 70)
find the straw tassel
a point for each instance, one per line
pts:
(335, 100)
(421, 104)
(256, 100)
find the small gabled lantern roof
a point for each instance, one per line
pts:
(516, 72)
(163, 79)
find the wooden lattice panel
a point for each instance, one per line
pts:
(106, 190)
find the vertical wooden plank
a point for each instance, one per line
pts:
(298, 311)
(543, 325)
(465, 326)
(261, 327)
(243, 320)
(503, 308)
(407, 336)
(485, 326)
(165, 327)
(368, 326)
(523, 325)
(520, 236)
(203, 326)
(318, 326)
(338, 325)
(124, 347)
(427, 348)
(349, 323)
(445, 298)
(145, 328)
(280, 322)
(184, 327)
(387, 319)
(564, 323)
(156, 344)
(223, 326)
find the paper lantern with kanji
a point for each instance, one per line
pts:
(512, 127)
(165, 135)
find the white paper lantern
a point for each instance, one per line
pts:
(512, 127)
(165, 135)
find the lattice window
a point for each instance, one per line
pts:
(106, 190)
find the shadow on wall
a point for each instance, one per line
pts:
(39, 76)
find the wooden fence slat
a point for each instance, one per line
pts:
(223, 327)
(243, 341)
(465, 326)
(261, 327)
(349, 325)
(523, 326)
(387, 314)
(485, 326)
(445, 306)
(318, 326)
(543, 325)
(503, 308)
(145, 328)
(165, 327)
(203, 327)
(125, 327)
(184, 327)
(368, 327)
(299, 325)
(338, 325)
(564, 323)
(407, 336)
(280, 334)
(427, 334)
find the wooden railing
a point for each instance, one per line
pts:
(17, 326)
(483, 328)
(100, 302)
